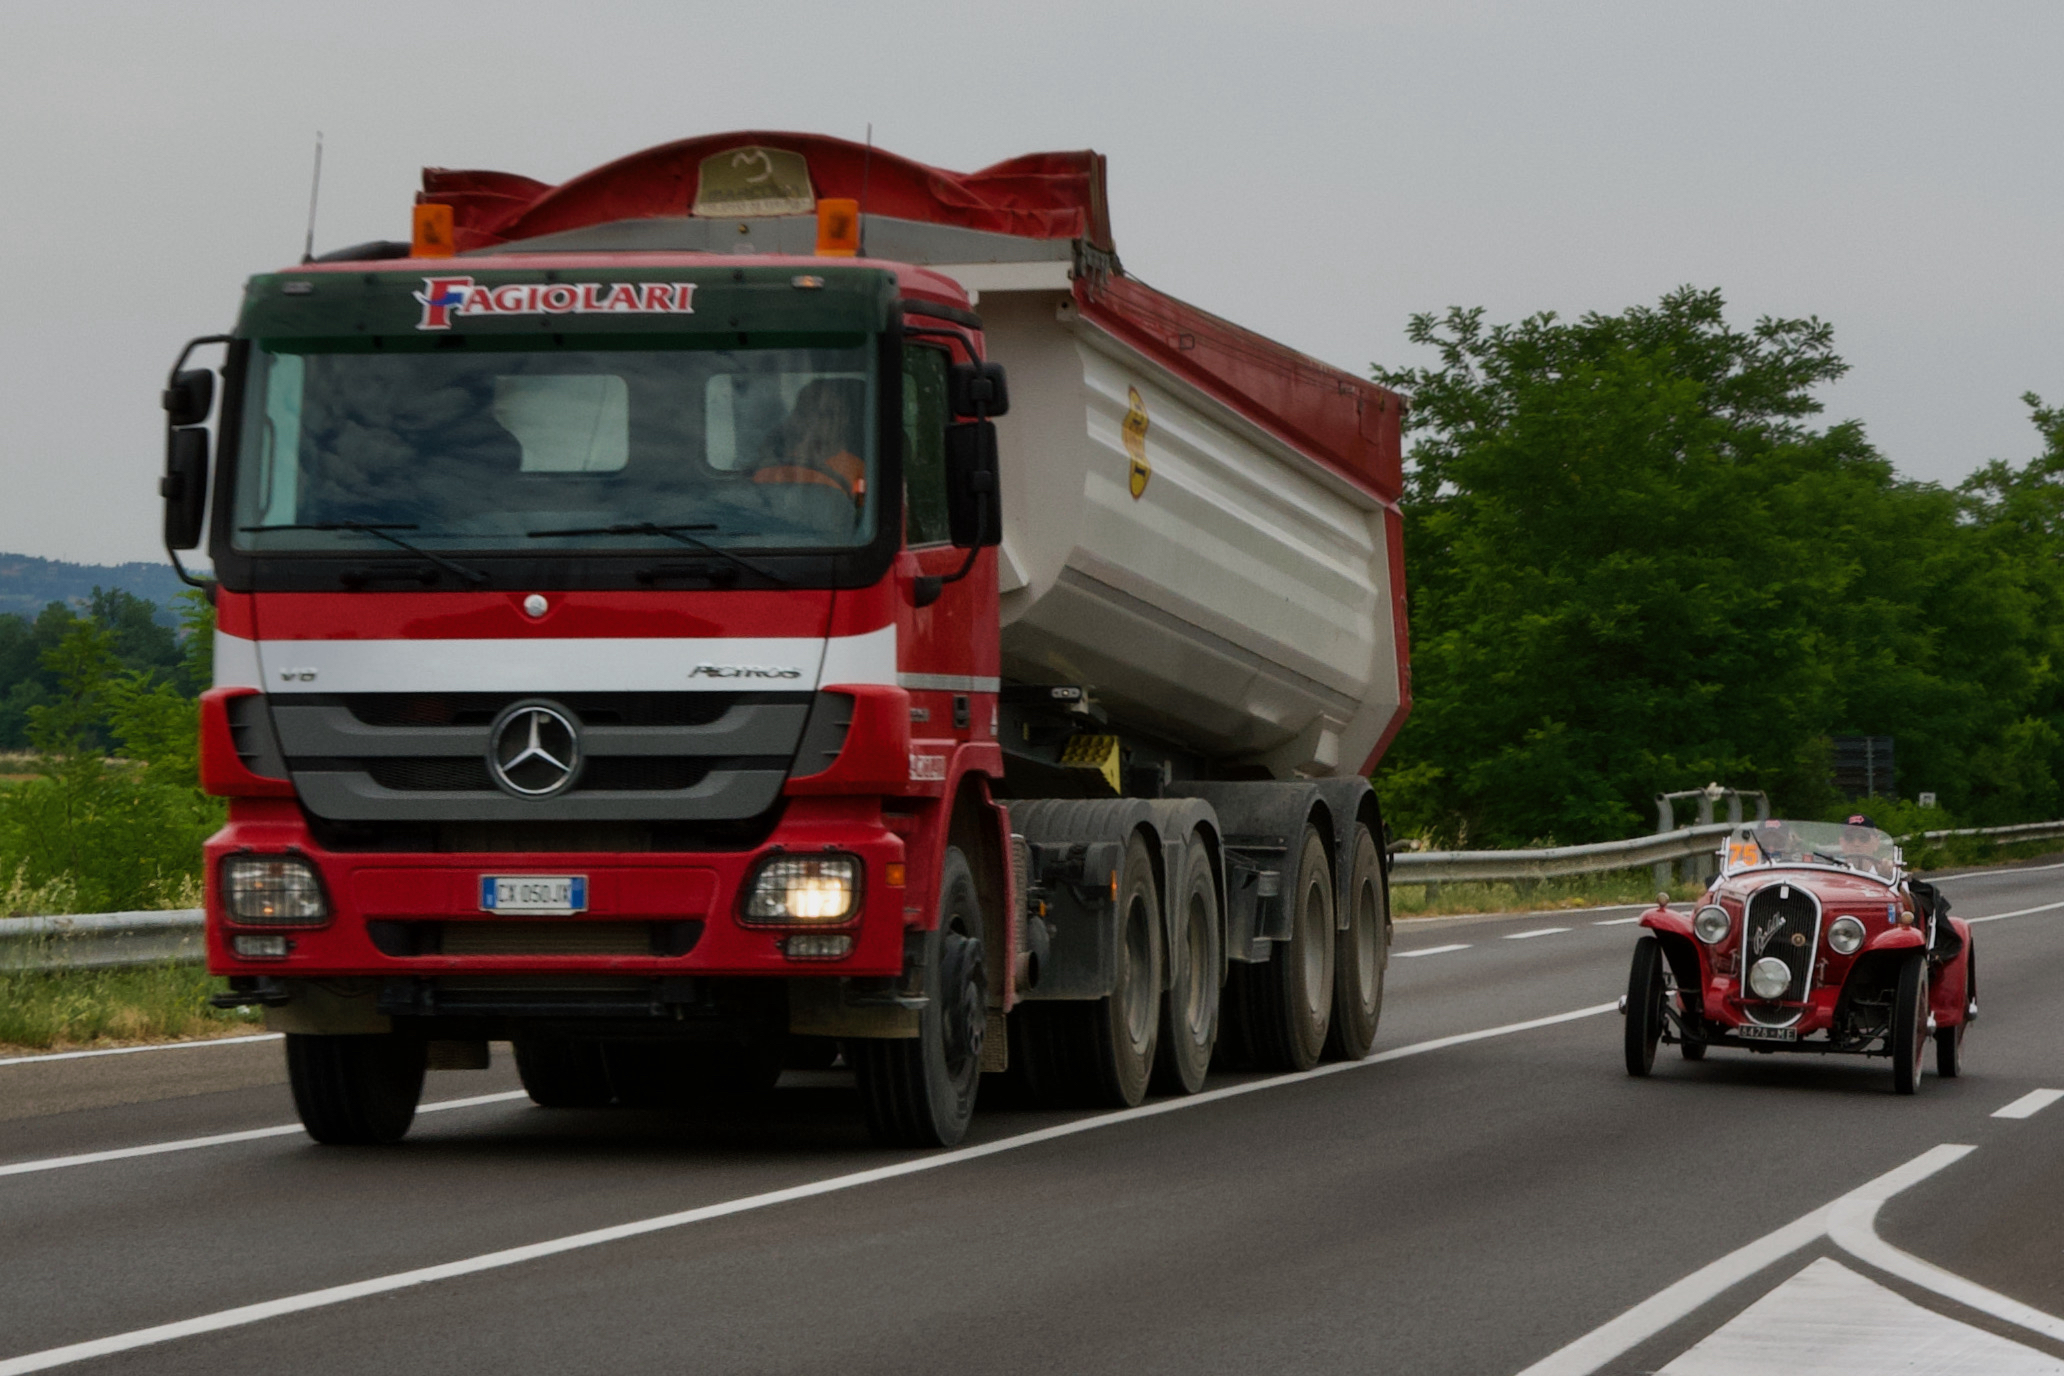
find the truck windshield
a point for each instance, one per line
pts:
(478, 449)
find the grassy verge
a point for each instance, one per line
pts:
(76, 1009)
(1546, 895)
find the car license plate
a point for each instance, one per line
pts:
(533, 893)
(1767, 1034)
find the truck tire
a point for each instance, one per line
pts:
(1910, 1024)
(1290, 998)
(1361, 955)
(356, 1091)
(1189, 1010)
(920, 1091)
(559, 1072)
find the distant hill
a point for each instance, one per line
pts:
(27, 583)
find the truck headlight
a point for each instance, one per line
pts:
(1846, 936)
(1712, 925)
(792, 889)
(273, 891)
(1769, 978)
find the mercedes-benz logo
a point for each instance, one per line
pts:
(533, 750)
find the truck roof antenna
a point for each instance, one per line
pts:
(314, 186)
(860, 210)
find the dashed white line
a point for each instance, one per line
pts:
(1433, 950)
(132, 1050)
(2030, 1104)
(1617, 921)
(1538, 931)
(2018, 912)
(490, 1261)
(220, 1139)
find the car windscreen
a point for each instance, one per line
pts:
(537, 447)
(1777, 841)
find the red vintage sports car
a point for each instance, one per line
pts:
(1812, 938)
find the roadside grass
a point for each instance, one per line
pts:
(1523, 896)
(69, 1010)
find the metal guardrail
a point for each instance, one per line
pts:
(1450, 866)
(104, 941)
(100, 941)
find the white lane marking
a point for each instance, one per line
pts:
(2018, 912)
(1617, 921)
(512, 1256)
(1538, 931)
(1829, 1321)
(1433, 950)
(132, 1050)
(1996, 874)
(220, 1139)
(1853, 1226)
(2030, 1104)
(1650, 1317)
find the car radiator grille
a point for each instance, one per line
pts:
(1783, 921)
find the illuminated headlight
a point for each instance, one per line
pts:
(1769, 978)
(1846, 936)
(273, 891)
(792, 889)
(1712, 925)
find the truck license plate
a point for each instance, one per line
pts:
(533, 893)
(1767, 1034)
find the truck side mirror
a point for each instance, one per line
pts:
(185, 485)
(977, 389)
(190, 397)
(974, 514)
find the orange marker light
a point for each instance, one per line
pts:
(893, 874)
(433, 232)
(838, 228)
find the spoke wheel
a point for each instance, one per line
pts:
(1361, 955)
(1644, 1006)
(1910, 1024)
(356, 1090)
(920, 1091)
(1189, 1011)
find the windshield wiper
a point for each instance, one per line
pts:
(380, 532)
(678, 534)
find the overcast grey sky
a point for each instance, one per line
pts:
(1316, 171)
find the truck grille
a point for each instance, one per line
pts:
(645, 757)
(1783, 920)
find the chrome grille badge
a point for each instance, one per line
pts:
(534, 750)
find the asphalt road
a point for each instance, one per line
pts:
(1489, 1193)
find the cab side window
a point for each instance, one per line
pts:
(924, 446)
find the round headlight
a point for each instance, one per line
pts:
(1846, 936)
(1769, 978)
(1712, 925)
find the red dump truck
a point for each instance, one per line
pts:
(766, 601)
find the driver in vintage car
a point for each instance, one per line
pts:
(1811, 938)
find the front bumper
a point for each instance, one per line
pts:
(384, 907)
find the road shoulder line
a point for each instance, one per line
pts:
(402, 1280)
(44, 1058)
(1656, 1313)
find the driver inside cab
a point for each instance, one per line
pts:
(819, 442)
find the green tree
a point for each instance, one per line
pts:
(1635, 566)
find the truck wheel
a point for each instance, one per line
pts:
(1291, 997)
(1125, 1027)
(1949, 1051)
(356, 1091)
(1189, 1012)
(920, 1091)
(1909, 1024)
(562, 1073)
(1644, 1006)
(1361, 954)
